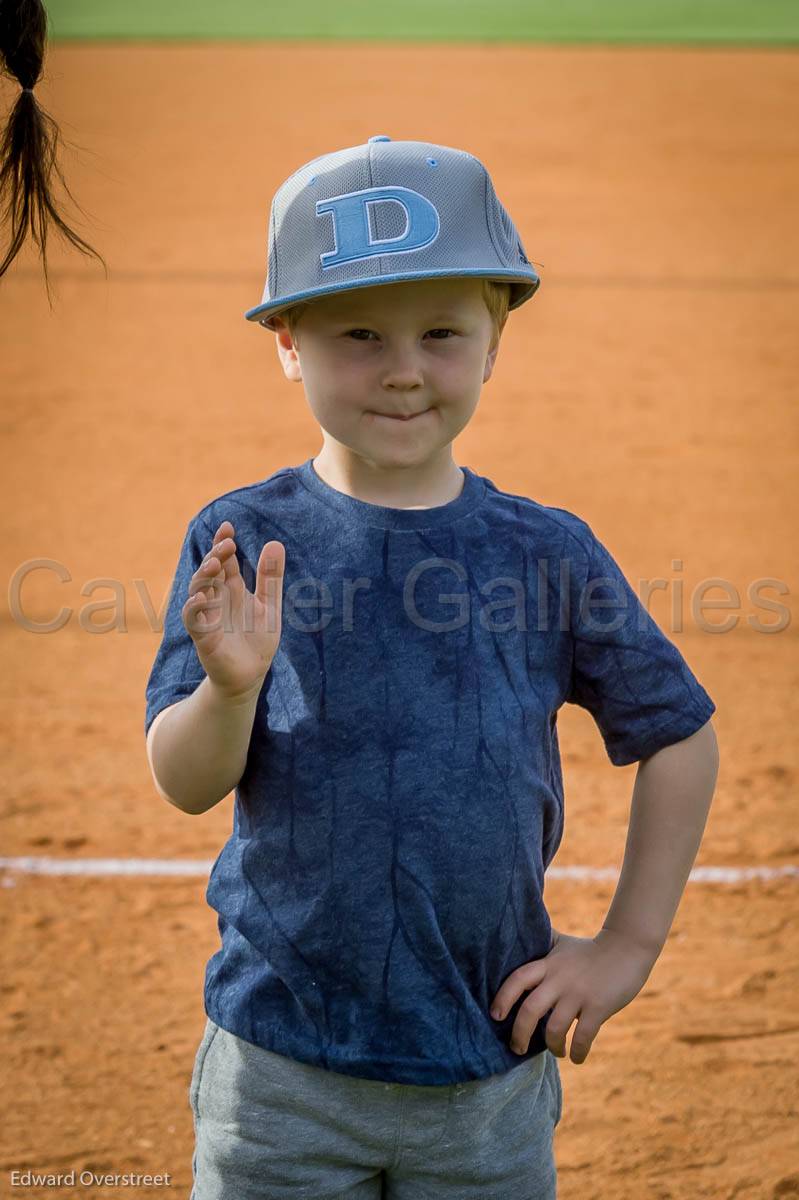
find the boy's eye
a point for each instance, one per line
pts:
(367, 331)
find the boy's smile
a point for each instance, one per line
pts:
(403, 417)
(393, 373)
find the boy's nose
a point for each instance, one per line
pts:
(403, 372)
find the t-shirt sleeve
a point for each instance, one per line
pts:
(625, 671)
(177, 670)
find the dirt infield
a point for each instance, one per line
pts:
(648, 387)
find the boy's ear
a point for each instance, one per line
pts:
(491, 357)
(287, 352)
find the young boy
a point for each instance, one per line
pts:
(372, 648)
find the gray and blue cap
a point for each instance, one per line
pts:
(386, 212)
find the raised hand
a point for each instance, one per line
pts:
(236, 632)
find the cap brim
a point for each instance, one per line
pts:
(524, 287)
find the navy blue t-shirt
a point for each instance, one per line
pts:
(402, 795)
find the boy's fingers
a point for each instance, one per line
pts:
(208, 602)
(196, 614)
(223, 559)
(225, 552)
(221, 549)
(230, 567)
(523, 979)
(204, 579)
(271, 565)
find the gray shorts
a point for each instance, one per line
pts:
(268, 1127)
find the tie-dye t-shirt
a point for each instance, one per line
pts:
(402, 795)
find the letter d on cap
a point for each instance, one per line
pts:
(353, 235)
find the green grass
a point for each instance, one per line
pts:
(704, 22)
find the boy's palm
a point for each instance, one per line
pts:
(235, 632)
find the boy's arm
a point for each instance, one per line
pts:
(589, 979)
(670, 804)
(197, 748)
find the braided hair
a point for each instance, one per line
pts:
(29, 143)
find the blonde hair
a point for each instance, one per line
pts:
(495, 294)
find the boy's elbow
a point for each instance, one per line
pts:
(192, 810)
(195, 809)
(166, 796)
(181, 805)
(150, 762)
(163, 794)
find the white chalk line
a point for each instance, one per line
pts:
(202, 867)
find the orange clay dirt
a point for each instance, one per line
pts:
(648, 387)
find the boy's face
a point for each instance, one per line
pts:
(418, 349)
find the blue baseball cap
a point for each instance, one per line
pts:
(386, 212)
